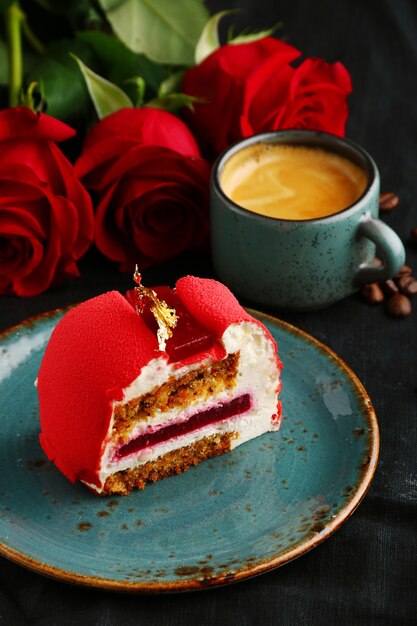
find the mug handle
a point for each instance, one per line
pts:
(389, 246)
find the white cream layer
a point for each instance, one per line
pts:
(258, 376)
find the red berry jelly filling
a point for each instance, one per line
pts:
(189, 337)
(203, 418)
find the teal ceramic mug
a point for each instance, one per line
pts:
(302, 264)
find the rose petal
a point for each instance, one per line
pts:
(24, 221)
(161, 249)
(137, 222)
(225, 110)
(318, 97)
(156, 163)
(164, 222)
(21, 175)
(266, 91)
(64, 223)
(145, 125)
(317, 71)
(55, 166)
(43, 274)
(159, 245)
(66, 268)
(46, 216)
(23, 122)
(164, 217)
(95, 160)
(80, 201)
(112, 243)
(54, 217)
(19, 255)
(45, 166)
(36, 156)
(238, 60)
(135, 160)
(116, 133)
(15, 192)
(220, 81)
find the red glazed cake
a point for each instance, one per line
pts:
(120, 407)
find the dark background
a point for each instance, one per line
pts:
(366, 573)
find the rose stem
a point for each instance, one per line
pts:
(14, 19)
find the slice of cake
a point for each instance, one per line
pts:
(122, 403)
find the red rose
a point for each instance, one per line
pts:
(251, 88)
(152, 187)
(46, 217)
(313, 96)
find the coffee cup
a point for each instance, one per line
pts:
(294, 218)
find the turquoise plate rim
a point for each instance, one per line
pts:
(353, 499)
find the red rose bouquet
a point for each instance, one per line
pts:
(146, 103)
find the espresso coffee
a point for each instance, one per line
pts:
(292, 182)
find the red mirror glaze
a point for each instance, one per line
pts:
(188, 338)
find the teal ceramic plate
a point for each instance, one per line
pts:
(227, 519)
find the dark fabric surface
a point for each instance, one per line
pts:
(366, 573)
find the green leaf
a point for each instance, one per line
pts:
(173, 102)
(61, 49)
(166, 31)
(62, 102)
(60, 82)
(209, 39)
(65, 8)
(106, 96)
(76, 12)
(171, 83)
(152, 73)
(140, 87)
(118, 63)
(250, 37)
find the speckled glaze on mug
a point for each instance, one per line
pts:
(302, 264)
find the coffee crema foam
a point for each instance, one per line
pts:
(292, 182)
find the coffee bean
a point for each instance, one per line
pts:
(404, 271)
(372, 293)
(398, 305)
(389, 287)
(388, 201)
(413, 235)
(407, 285)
